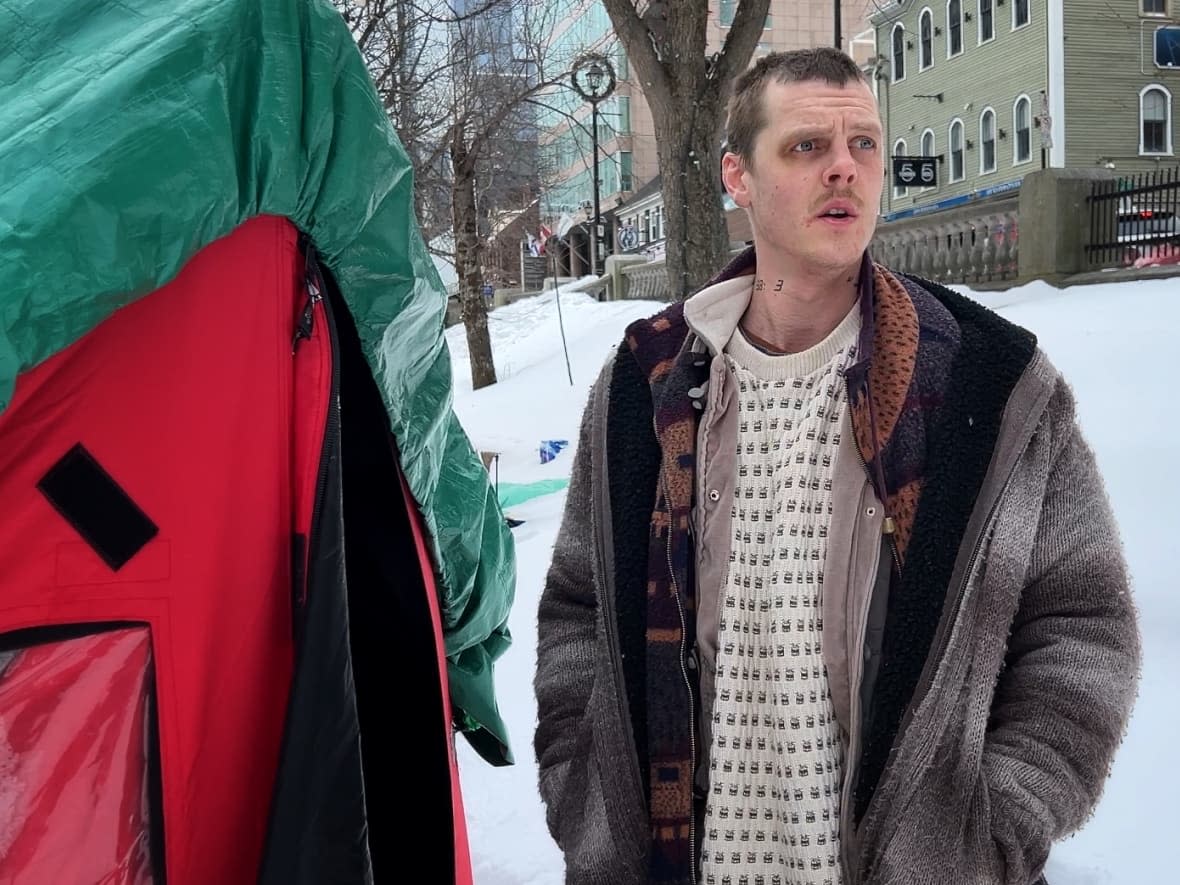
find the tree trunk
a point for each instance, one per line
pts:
(468, 265)
(686, 90)
(689, 150)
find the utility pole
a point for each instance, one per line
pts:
(836, 19)
(593, 78)
(596, 240)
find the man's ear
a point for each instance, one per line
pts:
(733, 175)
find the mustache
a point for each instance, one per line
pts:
(848, 195)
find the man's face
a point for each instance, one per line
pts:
(813, 183)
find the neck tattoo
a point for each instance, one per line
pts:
(761, 285)
(776, 286)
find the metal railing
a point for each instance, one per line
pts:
(1134, 220)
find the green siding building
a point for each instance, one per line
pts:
(997, 88)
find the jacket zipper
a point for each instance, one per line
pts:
(692, 737)
(889, 527)
(314, 280)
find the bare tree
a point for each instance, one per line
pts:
(665, 41)
(456, 78)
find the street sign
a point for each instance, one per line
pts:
(915, 171)
(1046, 123)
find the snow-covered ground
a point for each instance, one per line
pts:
(1113, 342)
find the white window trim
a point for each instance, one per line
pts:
(902, 191)
(1016, 161)
(930, 62)
(1162, 25)
(1015, 26)
(1143, 14)
(933, 150)
(950, 150)
(1167, 119)
(979, 23)
(962, 42)
(995, 142)
(893, 78)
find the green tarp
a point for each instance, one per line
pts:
(132, 134)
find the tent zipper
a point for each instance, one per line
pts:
(314, 280)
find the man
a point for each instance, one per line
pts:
(838, 596)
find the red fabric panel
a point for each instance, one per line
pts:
(463, 875)
(192, 400)
(73, 764)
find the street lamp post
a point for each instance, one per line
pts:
(593, 79)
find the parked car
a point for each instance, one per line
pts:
(1145, 230)
(1147, 224)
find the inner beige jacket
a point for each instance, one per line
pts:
(855, 557)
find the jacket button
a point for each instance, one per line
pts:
(870, 511)
(714, 495)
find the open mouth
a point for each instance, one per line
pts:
(838, 215)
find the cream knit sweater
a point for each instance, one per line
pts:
(772, 817)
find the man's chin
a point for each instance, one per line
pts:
(837, 256)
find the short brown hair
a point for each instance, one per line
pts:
(800, 65)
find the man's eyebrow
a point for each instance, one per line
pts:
(805, 132)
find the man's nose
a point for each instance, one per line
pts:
(842, 169)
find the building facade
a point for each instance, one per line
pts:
(996, 88)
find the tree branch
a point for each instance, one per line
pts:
(639, 43)
(507, 107)
(740, 43)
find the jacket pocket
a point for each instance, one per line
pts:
(589, 810)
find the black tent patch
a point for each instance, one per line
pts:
(97, 507)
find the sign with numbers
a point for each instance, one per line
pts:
(915, 171)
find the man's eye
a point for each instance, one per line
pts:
(804, 147)
(866, 143)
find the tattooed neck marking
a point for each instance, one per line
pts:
(776, 286)
(761, 285)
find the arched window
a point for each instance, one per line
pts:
(954, 27)
(926, 39)
(898, 52)
(956, 142)
(928, 145)
(1022, 124)
(899, 150)
(1155, 120)
(987, 141)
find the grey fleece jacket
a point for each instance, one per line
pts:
(1024, 700)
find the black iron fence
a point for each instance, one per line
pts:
(1135, 220)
